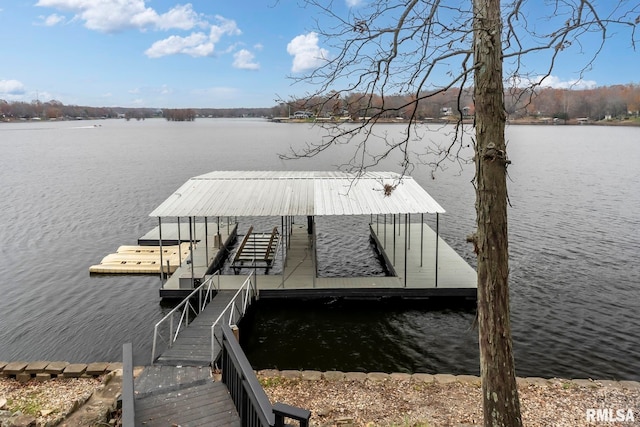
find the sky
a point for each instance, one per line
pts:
(205, 53)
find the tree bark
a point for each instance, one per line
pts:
(501, 404)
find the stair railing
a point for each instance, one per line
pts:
(178, 317)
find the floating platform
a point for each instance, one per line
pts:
(142, 260)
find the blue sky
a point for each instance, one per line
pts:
(220, 54)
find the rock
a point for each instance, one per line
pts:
(334, 375)
(74, 370)
(377, 376)
(23, 421)
(55, 368)
(269, 373)
(423, 378)
(23, 377)
(3, 403)
(311, 375)
(35, 367)
(355, 376)
(97, 368)
(42, 377)
(14, 368)
(399, 376)
(469, 379)
(445, 378)
(291, 375)
(630, 385)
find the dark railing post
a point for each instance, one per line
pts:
(248, 396)
(282, 411)
(128, 403)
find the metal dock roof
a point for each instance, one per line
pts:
(291, 193)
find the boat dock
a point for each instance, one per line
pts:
(420, 263)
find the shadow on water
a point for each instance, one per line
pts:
(355, 335)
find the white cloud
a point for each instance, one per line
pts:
(197, 44)
(226, 27)
(557, 83)
(181, 17)
(110, 16)
(52, 20)
(244, 60)
(306, 53)
(117, 15)
(552, 82)
(354, 3)
(11, 87)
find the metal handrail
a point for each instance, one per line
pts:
(235, 311)
(204, 292)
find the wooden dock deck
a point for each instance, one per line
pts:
(185, 396)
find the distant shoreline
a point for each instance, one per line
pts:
(528, 121)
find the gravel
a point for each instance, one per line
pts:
(48, 402)
(383, 400)
(407, 402)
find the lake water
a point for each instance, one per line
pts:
(73, 192)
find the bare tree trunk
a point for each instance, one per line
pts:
(501, 404)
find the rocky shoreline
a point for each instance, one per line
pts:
(45, 394)
(379, 399)
(86, 395)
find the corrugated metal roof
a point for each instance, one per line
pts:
(268, 193)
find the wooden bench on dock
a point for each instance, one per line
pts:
(256, 250)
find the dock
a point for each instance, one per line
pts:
(420, 263)
(170, 395)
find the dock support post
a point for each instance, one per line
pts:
(421, 237)
(394, 240)
(437, 238)
(408, 219)
(206, 242)
(282, 244)
(193, 285)
(406, 247)
(179, 238)
(385, 232)
(314, 255)
(160, 240)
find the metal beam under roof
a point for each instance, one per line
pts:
(292, 193)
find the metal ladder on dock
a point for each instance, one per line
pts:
(256, 250)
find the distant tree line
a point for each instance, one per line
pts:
(616, 102)
(608, 102)
(179, 115)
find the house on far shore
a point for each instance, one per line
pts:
(302, 115)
